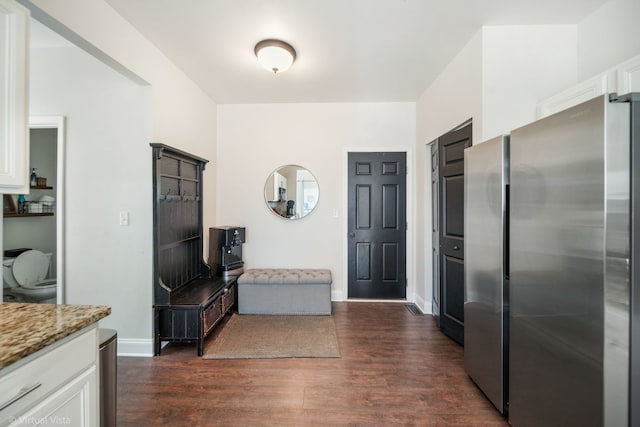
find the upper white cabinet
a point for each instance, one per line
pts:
(14, 111)
(622, 79)
(574, 95)
(628, 76)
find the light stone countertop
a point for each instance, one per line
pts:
(27, 328)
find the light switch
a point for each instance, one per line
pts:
(124, 218)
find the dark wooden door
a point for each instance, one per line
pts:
(451, 152)
(377, 225)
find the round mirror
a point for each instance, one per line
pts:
(291, 192)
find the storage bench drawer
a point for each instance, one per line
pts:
(228, 299)
(211, 315)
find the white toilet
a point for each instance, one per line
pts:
(25, 278)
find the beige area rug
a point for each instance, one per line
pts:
(270, 337)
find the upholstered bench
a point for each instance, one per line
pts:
(284, 291)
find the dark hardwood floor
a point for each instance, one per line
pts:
(396, 369)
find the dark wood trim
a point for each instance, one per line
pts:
(22, 215)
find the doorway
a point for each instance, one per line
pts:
(40, 225)
(447, 178)
(377, 225)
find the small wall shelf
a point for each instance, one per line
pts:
(10, 209)
(40, 187)
(19, 215)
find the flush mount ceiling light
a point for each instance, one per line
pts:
(275, 55)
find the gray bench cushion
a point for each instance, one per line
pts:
(285, 276)
(285, 291)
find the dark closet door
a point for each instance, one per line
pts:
(451, 152)
(377, 225)
(435, 231)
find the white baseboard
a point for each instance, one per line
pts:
(425, 308)
(337, 296)
(135, 347)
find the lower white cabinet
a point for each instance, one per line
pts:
(57, 386)
(73, 404)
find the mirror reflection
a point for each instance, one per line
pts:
(291, 192)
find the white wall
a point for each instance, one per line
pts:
(108, 169)
(253, 140)
(454, 97)
(520, 66)
(608, 37)
(511, 68)
(496, 80)
(181, 115)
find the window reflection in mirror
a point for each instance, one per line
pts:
(291, 192)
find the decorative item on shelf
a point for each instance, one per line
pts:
(45, 206)
(41, 182)
(33, 207)
(34, 178)
(9, 205)
(21, 204)
(48, 203)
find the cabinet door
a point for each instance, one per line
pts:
(74, 404)
(628, 78)
(14, 113)
(582, 92)
(59, 381)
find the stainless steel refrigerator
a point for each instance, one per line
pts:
(571, 222)
(552, 303)
(486, 172)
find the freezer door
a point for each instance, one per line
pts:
(634, 349)
(486, 302)
(558, 211)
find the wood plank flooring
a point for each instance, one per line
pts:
(396, 369)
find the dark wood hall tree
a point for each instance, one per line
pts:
(188, 299)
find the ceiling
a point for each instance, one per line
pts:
(347, 50)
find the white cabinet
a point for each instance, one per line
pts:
(575, 95)
(66, 406)
(14, 119)
(628, 76)
(621, 79)
(56, 386)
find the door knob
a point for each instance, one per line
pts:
(456, 247)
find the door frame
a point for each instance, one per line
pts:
(342, 294)
(57, 122)
(431, 243)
